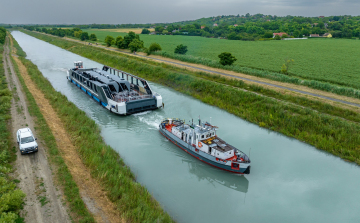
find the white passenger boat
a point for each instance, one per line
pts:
(119, 92)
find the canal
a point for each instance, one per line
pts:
(290, 181)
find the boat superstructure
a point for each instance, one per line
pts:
(202, 142)
(116, 90)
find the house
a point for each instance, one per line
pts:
(235, 25)
(327, 35)
(215, 24)
(175, 30)
(321, 17)
(202, 27)
(314, 35)
(279, 34)
(326, 25)
(152, 33)
(315, 24)
(268, 20)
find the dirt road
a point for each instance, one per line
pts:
(43, 202)
(93, 195)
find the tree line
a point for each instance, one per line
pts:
(74, 32)
(2, 35)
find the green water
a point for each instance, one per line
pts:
(290, 181)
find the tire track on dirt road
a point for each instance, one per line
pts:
(43, 202)
(93, 195)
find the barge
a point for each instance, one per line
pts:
(201, 142)
(119, 92)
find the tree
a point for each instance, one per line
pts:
(128, 39)
(145, 31)
(135, 45)
(109, 40)
(155, 47)
(233, 36)
(84, 36)
(119, 41)
(181, 49)
(226, 58)
(159, 29)
(93, 37)
(268, 35)
(77, 34)
(286, 66)
(296, 33)
(277, 37)
(165, 32)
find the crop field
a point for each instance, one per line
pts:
(135, 30)
(331, 60)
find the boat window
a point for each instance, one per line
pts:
(202, 136)
(95, 88)
(112, 88)
(106, 90)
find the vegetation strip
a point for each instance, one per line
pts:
(11, 198)
(132, 199)
(301, 101)
(331, 134)
(71, 191)
(329, 86)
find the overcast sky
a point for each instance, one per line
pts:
(145, 11)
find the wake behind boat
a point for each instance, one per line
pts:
(202, 142)
(120, 92)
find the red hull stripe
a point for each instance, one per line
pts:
(198, 157)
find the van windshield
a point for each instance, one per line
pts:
(27, 140)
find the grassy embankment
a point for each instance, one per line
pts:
(77, 207)
(326, 132)
(11, 198)
(319, 63)
(301, 101)
(132, 199)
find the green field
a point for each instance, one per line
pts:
(331, 60)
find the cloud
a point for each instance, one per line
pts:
(144, 11)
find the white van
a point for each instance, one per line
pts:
(26, 141)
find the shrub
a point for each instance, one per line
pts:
(119, 41)
(109, 40)
(84, 36)
(227, 58)
(181, 49)
(145, 31)
(93, 37)
(154, 47)
(135, 45)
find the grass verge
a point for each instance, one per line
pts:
(11, 198)
(132, 199)
(325, 132)
(64, 177)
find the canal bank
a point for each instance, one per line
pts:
(290, 180)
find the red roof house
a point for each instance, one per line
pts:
(279, 34)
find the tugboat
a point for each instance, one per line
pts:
(201, 142)
(119, 92)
